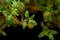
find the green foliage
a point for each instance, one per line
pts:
(47, 32)
(14, 3)
(14, 11)
(50, 8)
(20, 5)
(5, 13)
(44, 32)
(51, 37)
(28, 19)
(9, 20)
(3, 33)
(8, 2)
(53, 32)
(41, 34)
(31, 20)
(57, 1)
(26, 14)
(41, 3)
(24, 24)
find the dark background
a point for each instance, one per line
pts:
(28, 34)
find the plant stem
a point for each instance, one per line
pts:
(1, 28)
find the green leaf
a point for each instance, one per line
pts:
(14, 4)
(8, 1)
(24, 24)
(27, 14)
(42, 24)
(3, 33)
(32, 16)
(53, 32)
(9, 20)
(5, 13)
(20, 5)
(46, 30)
(15, 11)
(34, 22)
(42, 34)
(51, 37)
(41, 3)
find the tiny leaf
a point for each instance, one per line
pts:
(15, 12)
(24, 24)
(9, 20)
(34, 22)
(8, 1)
(20, 5)
(30, 25)
(5, 13)
(14, 4)
(26, 14)
(42, 24)
(53, 32)
(3, 33)
(32, 16)
(51, 37)
(42, 34)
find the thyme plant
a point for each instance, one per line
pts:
(10, 9)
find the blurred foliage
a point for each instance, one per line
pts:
(3, 33)
(31, 22)
(47, 32)
(24, 24)
(10, 9)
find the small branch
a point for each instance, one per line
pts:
(17, 21)
(22, 18)
(1, 28)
